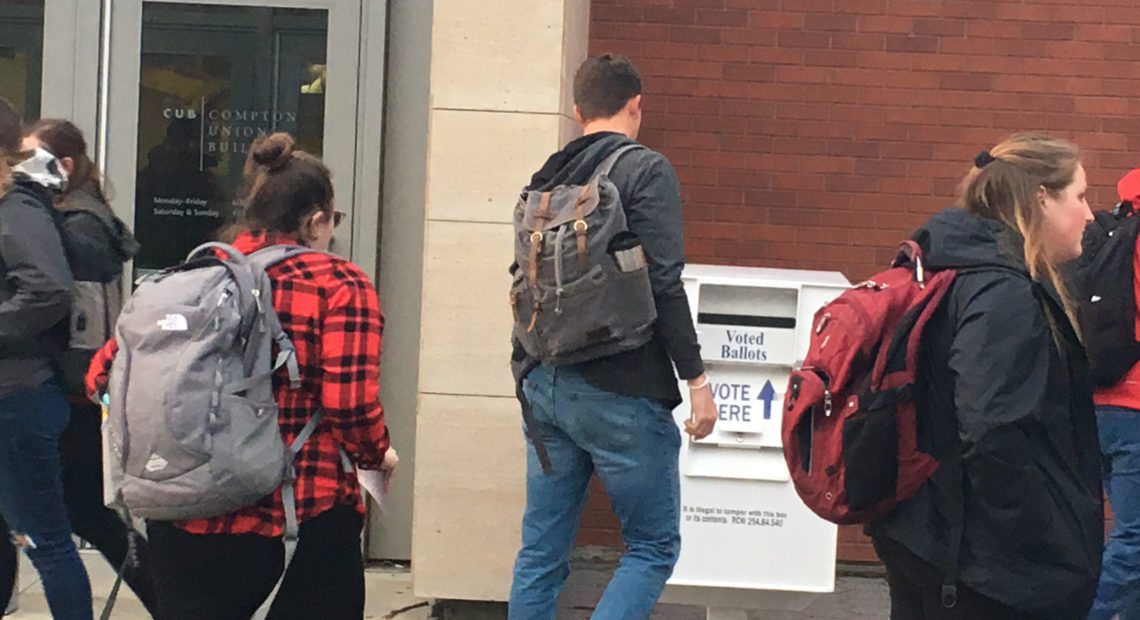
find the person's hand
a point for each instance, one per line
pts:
(388, 465)
(704, 415)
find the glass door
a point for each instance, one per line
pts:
(185, 86)
(193, 83)
(21, 54)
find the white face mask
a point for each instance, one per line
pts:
(43, 169)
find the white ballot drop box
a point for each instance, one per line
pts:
(747, 541)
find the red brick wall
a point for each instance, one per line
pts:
(814, 134)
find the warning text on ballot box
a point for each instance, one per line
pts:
(732, 517)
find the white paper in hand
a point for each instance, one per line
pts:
(375, 483)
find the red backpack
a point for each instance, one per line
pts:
(849, 420)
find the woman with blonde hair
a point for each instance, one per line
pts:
(1010, 526)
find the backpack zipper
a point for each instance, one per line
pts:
(558, 268)
(826, 393)
(217, 317)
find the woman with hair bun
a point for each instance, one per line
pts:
(224, 567)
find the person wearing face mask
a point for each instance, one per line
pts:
(102, 243)
(224, 567)
(35, 299)
(1010, 525)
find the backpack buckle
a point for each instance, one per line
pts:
(949, 595)
(581, 223)
(536, 237)
(822, 322)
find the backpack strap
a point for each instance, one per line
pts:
(542, 215)
(233, 261)
(529, 423)
(580, 228)
(228, 250)
(271, 255)
(954, 498)
(266, 320)
(266, 258)
(608, 163)
(131, 560)
(289, 503)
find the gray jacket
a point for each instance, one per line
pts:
(35, 297)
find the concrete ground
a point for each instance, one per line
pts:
(858, 596)
(389, 594)
(855, 598)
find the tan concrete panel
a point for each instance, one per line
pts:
(568, 129)
(469, 496)
(466, 316)
(497, 55)
(480, 160)
(575, 41)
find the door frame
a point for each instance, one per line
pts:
(352, 122)
(71, 69)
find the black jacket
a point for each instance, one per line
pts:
(651, 197)
(99, 239)
(1003, 382)
(35, 296)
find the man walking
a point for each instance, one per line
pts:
(609, 414)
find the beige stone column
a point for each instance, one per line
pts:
(501, 73)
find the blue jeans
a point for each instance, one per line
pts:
(633, 445)
(1119, 589)
(31, 495)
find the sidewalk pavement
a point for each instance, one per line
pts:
(855, 598)
(389, 597)
(389, 590)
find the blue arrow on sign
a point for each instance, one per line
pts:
(767, 394)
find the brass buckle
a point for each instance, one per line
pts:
(582, 223)
(535, 237)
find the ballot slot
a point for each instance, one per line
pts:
(747, 324)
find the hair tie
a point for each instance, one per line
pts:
(983, 158)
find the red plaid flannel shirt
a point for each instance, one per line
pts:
(330, 311)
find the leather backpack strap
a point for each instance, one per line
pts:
(580, 229)
(541, 217)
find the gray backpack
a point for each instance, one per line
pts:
(191, 429)
(581, 285)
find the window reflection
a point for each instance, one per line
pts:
(21, 54)
(212, 78)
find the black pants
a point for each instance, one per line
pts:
(80, 450)
(81, 456)
(227, 576)
(916, 591)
